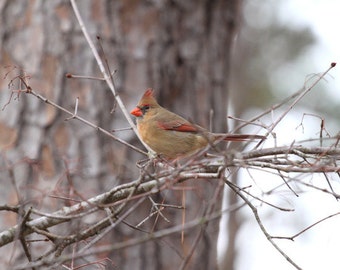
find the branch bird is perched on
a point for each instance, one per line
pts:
(170, 135)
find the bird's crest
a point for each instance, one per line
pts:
(148, 98)
(148, 93)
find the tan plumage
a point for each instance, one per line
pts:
(170, 135)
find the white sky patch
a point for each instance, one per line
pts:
(318, 247)
(324, 18)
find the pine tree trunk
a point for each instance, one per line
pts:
(179, 48)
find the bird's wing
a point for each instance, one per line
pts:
(177, 125)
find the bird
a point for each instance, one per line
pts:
(171, 136)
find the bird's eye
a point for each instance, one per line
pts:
(145, 108)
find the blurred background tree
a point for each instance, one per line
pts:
(199, 56)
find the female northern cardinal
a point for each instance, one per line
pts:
(170, 135)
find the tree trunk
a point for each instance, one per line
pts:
(179, 48)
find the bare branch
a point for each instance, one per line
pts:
(259, 222)
(107, 78)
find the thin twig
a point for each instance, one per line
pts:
(259, 222)
(305, 229)
(81, 119)
(103, 70)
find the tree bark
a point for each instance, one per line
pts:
(179, 48)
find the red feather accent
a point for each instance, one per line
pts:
(177, 126)
(148, 92)
(241, 137)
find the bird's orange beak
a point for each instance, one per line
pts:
(137, 112)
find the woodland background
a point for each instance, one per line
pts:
(205, 59)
